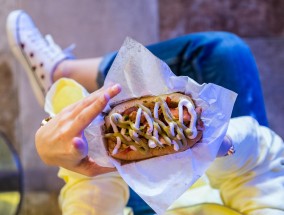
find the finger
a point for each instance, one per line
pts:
(71, 111)
(114, 90)
(85, 117)
(71, 107)
(80, 147)
(89, 168)
(83, 103)
(225, 147)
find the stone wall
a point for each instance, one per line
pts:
(247, 18)
(259, 22)
(9, 104)
(97, 27)
(8, 101)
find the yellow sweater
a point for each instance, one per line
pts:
(249, 182)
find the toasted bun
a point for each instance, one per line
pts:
(126, 154)
(155, 152)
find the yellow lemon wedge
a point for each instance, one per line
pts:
(66, 93)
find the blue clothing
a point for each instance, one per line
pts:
(209, 57)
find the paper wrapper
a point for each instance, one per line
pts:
(162, 180)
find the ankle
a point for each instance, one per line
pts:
(61, 70)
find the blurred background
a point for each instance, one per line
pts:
(100, 26)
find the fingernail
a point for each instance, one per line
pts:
(106, 96)
(116, 87)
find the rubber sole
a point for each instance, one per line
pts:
(14, 42)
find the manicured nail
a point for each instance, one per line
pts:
(106, 96)
(116, 87)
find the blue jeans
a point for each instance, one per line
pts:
(209, 57)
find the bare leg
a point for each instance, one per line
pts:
(83, 71)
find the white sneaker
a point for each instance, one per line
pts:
(38, 55)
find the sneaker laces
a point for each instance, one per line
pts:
(69, 51)
(46, 46)
(54, 47)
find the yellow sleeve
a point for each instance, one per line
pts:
(105, 194)
(252, 180)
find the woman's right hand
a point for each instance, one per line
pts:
(60, 141)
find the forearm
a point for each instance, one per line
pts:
(251, 181)
(104, 194)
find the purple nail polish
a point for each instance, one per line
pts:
(106, 96)
(116, 87)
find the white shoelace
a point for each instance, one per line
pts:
(46, 47)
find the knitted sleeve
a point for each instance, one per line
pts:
(252, 180)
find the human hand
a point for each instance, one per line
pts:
(226, 148)
(60, 142)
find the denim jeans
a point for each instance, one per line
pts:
(209, 57)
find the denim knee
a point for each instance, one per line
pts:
(237, 70)
(227, 43)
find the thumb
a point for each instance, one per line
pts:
(80, 147)
(88, 167)
(225, 147)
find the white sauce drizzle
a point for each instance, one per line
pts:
(115, 129)
(152, 144)
(151, 128)
(137, 121)
(150, 122)
(176, 147)
(172, 128)
(192, 113)
(156, 110)
(133, 148)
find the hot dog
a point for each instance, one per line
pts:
(152, 126)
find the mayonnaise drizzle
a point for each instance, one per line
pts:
(151, 143)
(137, 121)
(115, 129)
(156, 110)
(133, 148)
(176, 147)
(172, 128)
(175, 130)
(150, 122)
(192, 113)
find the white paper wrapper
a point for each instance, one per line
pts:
(162, 180)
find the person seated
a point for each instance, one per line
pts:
(250, 181)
